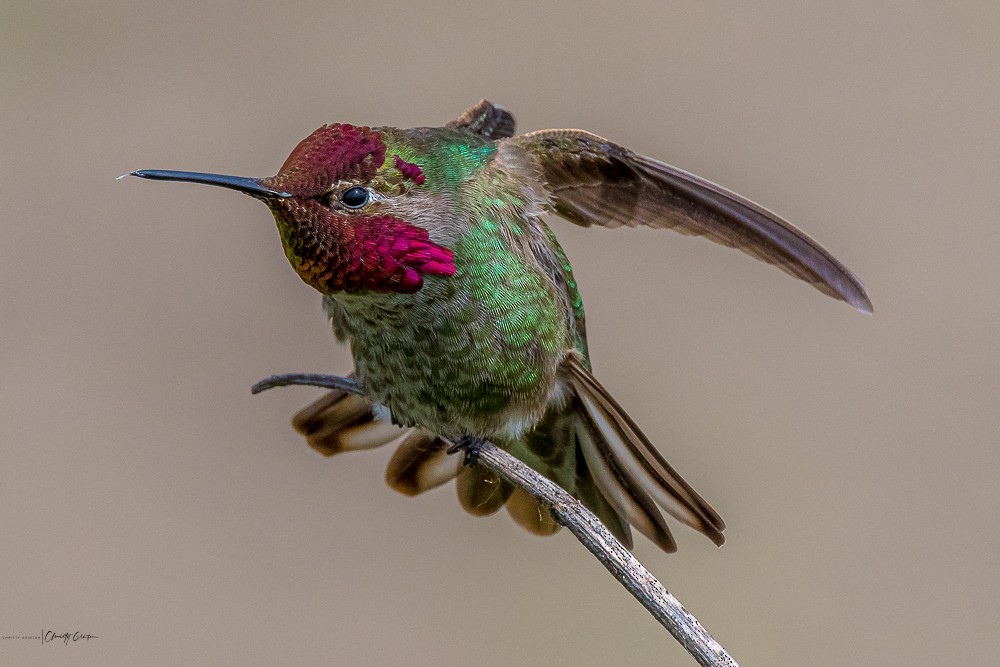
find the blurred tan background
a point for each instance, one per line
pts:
(147, 498)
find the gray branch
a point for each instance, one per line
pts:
(587, 528)
(636, 579)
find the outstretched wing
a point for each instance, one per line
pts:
(491, 121)
(594, 181)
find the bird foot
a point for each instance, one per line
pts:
(470, 445)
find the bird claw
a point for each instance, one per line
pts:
(471, 446)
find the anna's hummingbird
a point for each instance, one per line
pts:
(462, 311)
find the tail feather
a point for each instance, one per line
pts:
(638, 459)
(621, 490)
(589, 493)
(421, 463)
(480, 491)
(531, 515)
(553, 449)
(341, 422)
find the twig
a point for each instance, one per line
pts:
(592, 534)
(587, 528)
(350, 385)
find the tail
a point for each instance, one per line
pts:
(629, 472)
(589, 446)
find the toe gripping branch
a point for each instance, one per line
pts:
(471, 445)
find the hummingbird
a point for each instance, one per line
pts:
(463, 314)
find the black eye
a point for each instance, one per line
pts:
(355, 197)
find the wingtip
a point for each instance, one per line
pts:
(861, 302)
(847, 287)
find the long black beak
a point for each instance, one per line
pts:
(250, 186)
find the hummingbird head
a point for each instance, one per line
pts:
(341, 208)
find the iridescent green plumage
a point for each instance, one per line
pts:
(477, 353)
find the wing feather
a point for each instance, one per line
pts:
(489, 120)
(594, 181)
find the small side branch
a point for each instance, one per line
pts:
(587, 528)
(350, 385)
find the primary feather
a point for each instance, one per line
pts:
(596, 182)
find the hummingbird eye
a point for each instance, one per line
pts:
(355, 197)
